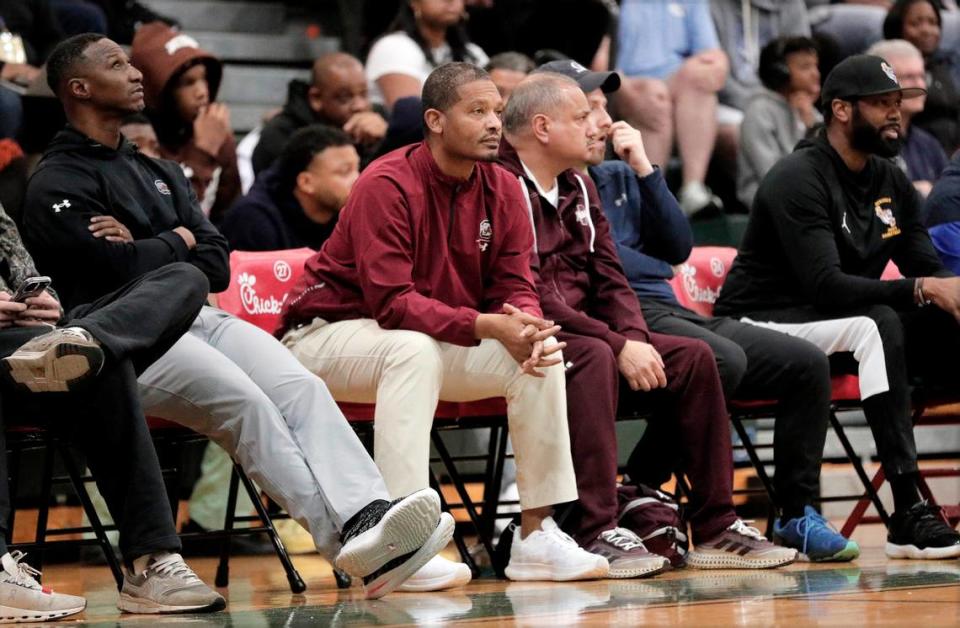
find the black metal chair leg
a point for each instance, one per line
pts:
(43, 513)
(91, 512)
(297, 585)
(760, 469)
(223, 568)
(858, 468)
(461, 488)
(13, 472)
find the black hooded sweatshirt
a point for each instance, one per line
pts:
(78, 179)
(821, 235)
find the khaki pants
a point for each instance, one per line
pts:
(406, 372)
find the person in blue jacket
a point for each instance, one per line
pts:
(942, 215)
(653, 235)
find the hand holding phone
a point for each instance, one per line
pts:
(31, 287)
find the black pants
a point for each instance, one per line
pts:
(757, 363)
(920, 346)
(135, 325)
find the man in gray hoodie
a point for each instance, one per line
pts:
(780, 113)
(744, 27)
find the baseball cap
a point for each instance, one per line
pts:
(863, 75)
(587, 80)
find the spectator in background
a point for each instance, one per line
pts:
(919, 22)
(424, 35)
(137, 129)
(36, 29)
(79, 16)
(507, 69)
(781, 113)
(743, 34)
(296, 201)
(337, 97)
(674, 69)
(942, 215)
(180, 82)
(921, 158)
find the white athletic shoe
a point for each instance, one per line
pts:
(550, 554)
(23, 599)
(437, 575)
(167, 585)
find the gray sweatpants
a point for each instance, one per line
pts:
(234, 383)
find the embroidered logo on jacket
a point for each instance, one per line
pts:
(486, 235)
(162, 187)
(885, 214)
(582, 214)
(180, 41)
(58, 207)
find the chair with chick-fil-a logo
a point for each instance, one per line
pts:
(260, 282)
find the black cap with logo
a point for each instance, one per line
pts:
(863, 75)
(587, 80)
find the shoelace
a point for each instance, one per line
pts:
(173, 565)
(623, 539)
(740, 527)
(75, 332)
(26, 575)
(930, 517)
(560, 537)
(808, 522)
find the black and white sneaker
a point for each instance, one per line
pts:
(398, 570)
(383, 531)
(921, 533)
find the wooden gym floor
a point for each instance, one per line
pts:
(869, 591)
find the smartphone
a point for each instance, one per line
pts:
(31, 287)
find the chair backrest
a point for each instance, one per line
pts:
(698, 281)
(259, 283)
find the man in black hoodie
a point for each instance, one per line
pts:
(826, 221)
(225, 378)
(337, 97)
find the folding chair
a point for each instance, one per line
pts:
(697, 285)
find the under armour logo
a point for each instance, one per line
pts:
(843, 225)
(61, 205)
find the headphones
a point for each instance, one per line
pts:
(773, 71)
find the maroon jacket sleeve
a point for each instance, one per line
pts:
(613, 300)
(510, 279)
(381, 232)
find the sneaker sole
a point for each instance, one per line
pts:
(442, 534)
(526, 572)
(726, 560)
(639, 572)
(848, 553)
(403, 529)
(461, 578)
(143, 606)
(13, 615)
(929, 553)
(56, 370)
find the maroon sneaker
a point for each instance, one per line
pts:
(627, 555)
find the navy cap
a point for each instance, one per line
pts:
(587, 80)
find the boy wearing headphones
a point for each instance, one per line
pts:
(781, 114)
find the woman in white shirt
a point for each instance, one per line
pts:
(424, 35)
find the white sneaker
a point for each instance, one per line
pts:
(550, 554)
(23, 599)
(437, 575)
(695, 196)
(167, 585)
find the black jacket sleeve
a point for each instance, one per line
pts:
(212, 254)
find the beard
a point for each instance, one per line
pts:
(869, 139)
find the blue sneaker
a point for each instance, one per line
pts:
(815, 539)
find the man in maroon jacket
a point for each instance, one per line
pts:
(582, 287)
(424, 292)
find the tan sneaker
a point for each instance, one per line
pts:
(740, 547)
(167, 585)
(57, 361)
(23, 599)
